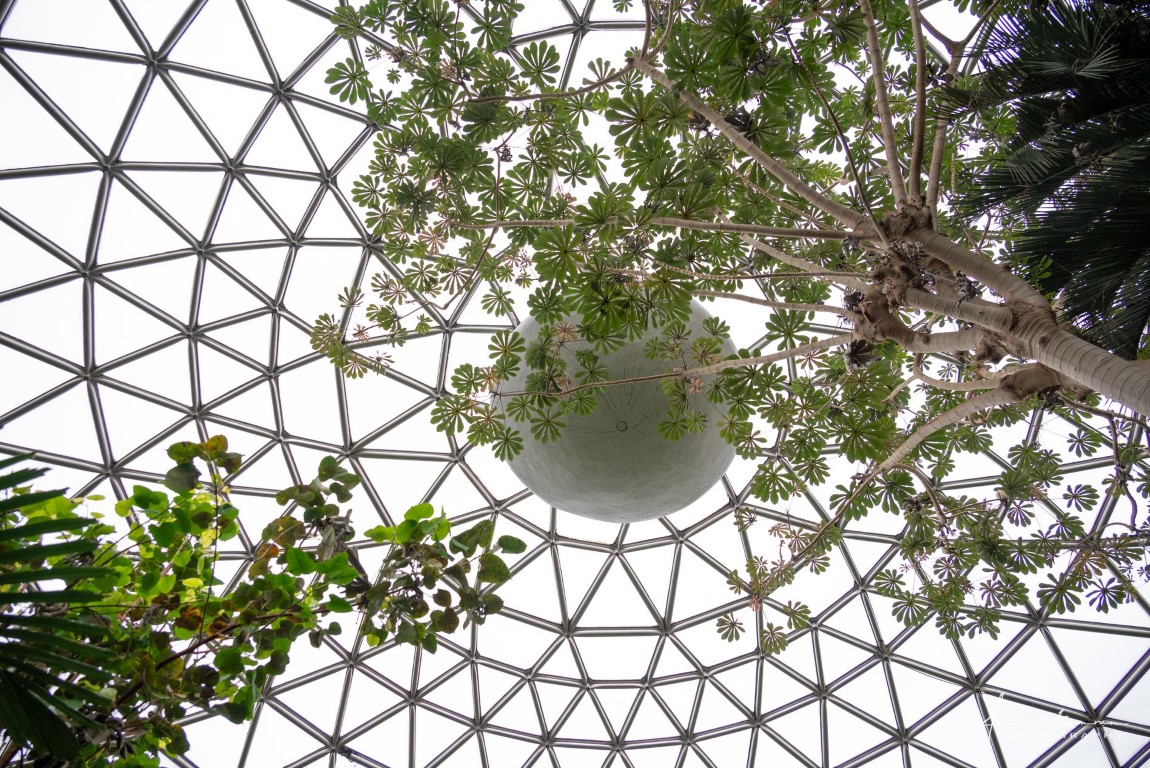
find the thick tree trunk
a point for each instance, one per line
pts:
(1123, 381)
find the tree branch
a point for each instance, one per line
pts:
(841, 213)
(754, 229)
(846, 147)
(996, 397)
(882, 103)
(665, 221)
(994, 276)
(684, 372)
(826, 308)
(919, 100)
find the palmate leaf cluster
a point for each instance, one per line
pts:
(112, 631)
(1069, 157)
(606, 208)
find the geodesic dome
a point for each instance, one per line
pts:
(175, 212)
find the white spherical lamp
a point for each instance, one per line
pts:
(613, 464)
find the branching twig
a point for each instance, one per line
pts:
(919, 100)
(778, 304)
(882, 103)
(841, 213)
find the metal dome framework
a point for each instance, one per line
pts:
(606, 654)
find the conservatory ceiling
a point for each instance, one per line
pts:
(174, 213)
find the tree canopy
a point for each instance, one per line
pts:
(806, 158)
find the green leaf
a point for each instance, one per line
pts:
(419, 512)
(182, 478)
(511, 545)
(492, 569)
(299, 562)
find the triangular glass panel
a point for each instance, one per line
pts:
(294, 343)
(310, 407)
(279, 145)
(617, 704)
(1024, 732)
(220, 373)
(494, 684)
(312, 83)
(802, 728)
(918, 693)
(333, 221)
(653, 567)
(317, 276)
(870, 692)
(729, 749)
(982, 649)
(578, 569)
(779, 688)
(334, 134)
(740, 682)
(244, 221)
(89, 25)
(771, 754)
(555, 700)
(616, 658)
(852, 619)
(962, 733)
(1098, 660)
(165, 284)
(50, 319)
(122, 327)
(616, 603)
(519, 713)
(679, 700)
(653, 757)
(252, 406)
(36, 138)
(64, 428)
(513, 753)
(497, 476)
(263, 267)
(250, 338)
(190, 198)
(457, 495)
(838, 657)
(155, 20)
(651, 722)
(699, 587)
(132, 230)
(453, 692)
(314, 700)
(277, 735)
(35, 378)
(1033, 670)
(716, 710)
(390, 737)
(223, 297)
(69, 82)
(927, 646)
(163, 132)
(290, 32)
(213, 741)
(514, 643)
(465, 756)
(289, 197)
(37, 201)
(163, 371)
(570, 757)
(849, 735)
(229, 111)
(218, 41)
(532, 589)
(28, 263)
(410, 435)
(671, 662)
